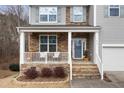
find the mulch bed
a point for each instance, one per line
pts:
(41, 79)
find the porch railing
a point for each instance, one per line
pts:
(46, 57)
(100, 65)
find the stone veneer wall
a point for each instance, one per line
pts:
(34, 42)
(61, 37)
(68, 22)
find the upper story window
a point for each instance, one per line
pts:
(48, 14)
(77, 14)
(114, 10)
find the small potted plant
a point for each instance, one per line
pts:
(86, 56)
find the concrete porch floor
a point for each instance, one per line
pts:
(81, 62)
(116, 77)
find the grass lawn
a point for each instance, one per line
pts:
(6, 73)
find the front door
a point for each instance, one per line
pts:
(77, 48)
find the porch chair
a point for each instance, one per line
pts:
(56, 56)
(43, 56)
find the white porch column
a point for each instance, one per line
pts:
(97, 42)
(69, 53)
(22, 47)
(96, 45)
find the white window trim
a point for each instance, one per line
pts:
(48, 17)
(83, 40)
(109, 11)
(73, 15)
(48, 42)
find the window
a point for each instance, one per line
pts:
(48, 43)
(114, 10)
(48, 14)
(77, 14)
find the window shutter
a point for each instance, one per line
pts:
(122, 11)
(106, 11)
(71, 14)
(84, 14)
(37, 14)
(59, 15)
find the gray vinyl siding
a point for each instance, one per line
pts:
(34, 16)
(91, 15)
(112, 31)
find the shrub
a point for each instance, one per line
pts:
(31, 73)
(46, 72)
(59, 72)
(14, 67)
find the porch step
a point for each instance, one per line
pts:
(82, 64)
(87, 76)
(86, 67)
(87, 71)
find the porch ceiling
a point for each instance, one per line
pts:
(59, 29)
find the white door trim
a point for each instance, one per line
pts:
(83, 40)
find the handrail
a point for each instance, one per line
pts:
(47, 57)
(100, 65)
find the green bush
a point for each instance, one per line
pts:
(14, 67)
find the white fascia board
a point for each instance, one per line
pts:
(112, 45)
(59, 27)
(59, 30)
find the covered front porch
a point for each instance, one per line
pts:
(53, 47)
(59, 45)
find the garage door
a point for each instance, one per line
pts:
(113, 58)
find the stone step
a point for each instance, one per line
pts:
(75, 64)
(83, 72)
(85, 69)
(87, 77)
(83, 64)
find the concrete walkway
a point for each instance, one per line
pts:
(116, 77)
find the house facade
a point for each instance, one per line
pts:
(76, 37)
